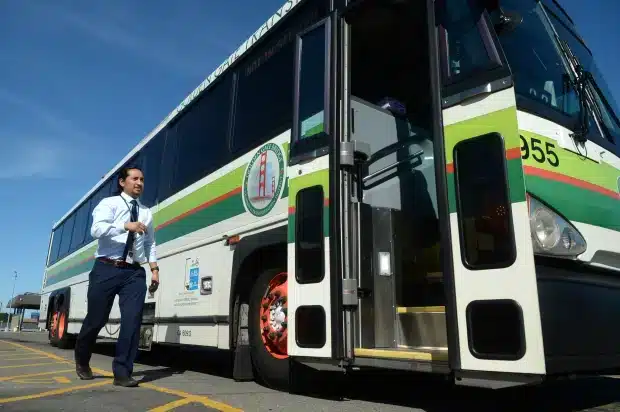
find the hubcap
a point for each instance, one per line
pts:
(274, 315)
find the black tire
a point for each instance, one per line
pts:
(272, 372)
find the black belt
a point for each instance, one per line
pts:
(118, 263)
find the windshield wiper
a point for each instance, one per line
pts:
(580, 83)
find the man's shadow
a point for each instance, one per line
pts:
(156, 374)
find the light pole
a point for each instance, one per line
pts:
(12, 303)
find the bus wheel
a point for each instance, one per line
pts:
(268, 328)
(53, 329)
(60, 337)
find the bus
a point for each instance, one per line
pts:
(419, 185)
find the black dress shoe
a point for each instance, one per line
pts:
(125, 382)
(84, 372)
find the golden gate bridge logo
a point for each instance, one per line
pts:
(263, 180)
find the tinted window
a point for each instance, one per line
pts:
(309, 236)
(465, 50)
(67, 231)
(79, 229)
(202, 135)
(483, 205)
(95, 199)
(151, 166)
(312, 76)
(264, 100)
(55, 245)
(167, 163)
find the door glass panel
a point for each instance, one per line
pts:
(466, 50)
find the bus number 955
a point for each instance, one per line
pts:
(535, 148)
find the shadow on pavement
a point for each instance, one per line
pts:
(431, 395)
(176, 360)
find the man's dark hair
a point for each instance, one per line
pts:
(122, 175)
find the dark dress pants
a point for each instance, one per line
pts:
(105, 282)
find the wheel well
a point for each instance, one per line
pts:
(250, 268)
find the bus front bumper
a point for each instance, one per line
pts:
(580, 315)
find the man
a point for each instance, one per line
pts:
(126, 239)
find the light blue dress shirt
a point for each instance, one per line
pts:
(109, 218)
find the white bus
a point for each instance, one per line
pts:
(400, 184)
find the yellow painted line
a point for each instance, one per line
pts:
(24, 358)
(28, 364)
(40, 352)
(196, 398)
(15, 355)
(173, 405)
(54, 392)
(42, 380)
(29, 375)
(13, 352)
(222, 407)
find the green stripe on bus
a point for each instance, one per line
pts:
(318, 178)
(82, 267)
(502, 121)
(291, 224)
(227, 208)
(569, 163)
(576, 203)
(297, 183)
(75, 260)
(205, 194)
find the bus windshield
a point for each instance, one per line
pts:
(609, 111)
(540, 73)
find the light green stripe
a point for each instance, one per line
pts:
(502, 121)
(63, 265)
(570, 163)
(318, 178)
(217, 188)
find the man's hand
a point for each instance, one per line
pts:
(154, 281)
(136, 227)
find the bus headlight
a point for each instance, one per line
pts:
(552, 234)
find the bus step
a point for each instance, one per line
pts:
(413, 354)
(423, 326)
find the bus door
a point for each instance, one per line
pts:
(313, 311)
(443, 254)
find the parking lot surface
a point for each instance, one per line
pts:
(37, 377)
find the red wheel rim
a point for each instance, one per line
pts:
(274, 316)
(54, 323)
(61, 326)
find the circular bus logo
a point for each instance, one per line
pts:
(263, 180)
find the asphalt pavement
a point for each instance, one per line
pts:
(35, 376)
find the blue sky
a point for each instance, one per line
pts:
(82, 82)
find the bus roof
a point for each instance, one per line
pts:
(222, 68)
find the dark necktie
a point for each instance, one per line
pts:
(131, 235)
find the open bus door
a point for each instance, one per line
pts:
(314, 312)
(442, 253)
